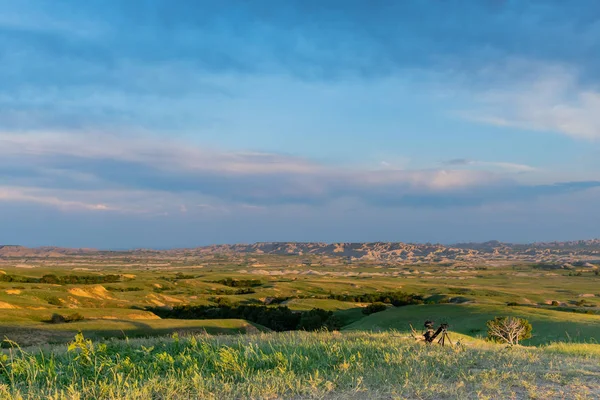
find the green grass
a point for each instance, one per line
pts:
(29, 316)
(579, 349)
(27, 304)
(30, 333)
(356, 365)
(548, 325)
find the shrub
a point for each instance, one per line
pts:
(221, 301)
(74, 317)
(512, 304)
(61, 319)
(57, 319)
(509, 330)
(555, 303)
(55, 301)
(236, 283)
(316, 319)
(123, 289)
(374, 308)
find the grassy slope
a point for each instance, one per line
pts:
(548, 326)
(28, 332)
(301, 365)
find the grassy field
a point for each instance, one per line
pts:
(133, 354)
(298, 365)
(562, 305)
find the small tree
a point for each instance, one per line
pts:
(509, 329)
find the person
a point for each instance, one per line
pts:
(429, 334)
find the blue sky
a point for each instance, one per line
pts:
(176, 124)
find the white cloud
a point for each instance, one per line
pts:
(552, 100)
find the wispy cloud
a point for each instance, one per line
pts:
(555, 100)
(32, 195)
(507, 166)
(125, 174)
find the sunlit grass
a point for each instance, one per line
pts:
(298, 365)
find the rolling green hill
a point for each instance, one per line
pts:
(470, 319)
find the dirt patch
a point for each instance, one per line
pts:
(5, 306)
(129, 276)
(171, 299)
(26, 266)
(13, 291)
(155, 300)
(96, 292)
(143, 316)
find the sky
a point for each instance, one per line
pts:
(160, 124)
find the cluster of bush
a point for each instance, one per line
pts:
(275, 318)
(63, 280)
(246, 290)
(178, 276)
(124, 289)
(79, 279)
(17, 278)
(397, 299)
(239, 283)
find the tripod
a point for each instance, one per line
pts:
(445, 337)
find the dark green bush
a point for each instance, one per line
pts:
(397, 299)
(374, 308)
(240, 283)
(275, 318)
(55, 301)
(62, 319)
